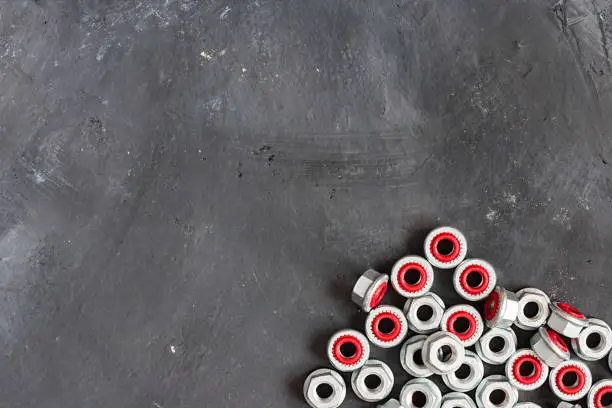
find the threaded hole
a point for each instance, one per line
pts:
(419, 399)
(372, 381)
(527, 369)
(386, 325)
(593, 340)
(463, 372)
(570, 379)
(461, 325)
(424, 313)
(412, 277)
(445, 353)
(497, 397)
(445, 246)
(497, 344)
(418, 357)
(348, 349)
(474, 279)
(531, 310)
(606, 399)
(324, 391)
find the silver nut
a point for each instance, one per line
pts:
(443, 352)
(493, 387)
(537, 317)
(411, 357)
(566, 320)
(402, 279)
(526, 371)
(420, 393)
(501, 308)
(348, 350)
(565, 404)
(570, 380)
(324, 377)
(386, 337)
(549, 346)
(467, 380)
(594, 342)
(527, 405)
(610, 361)
(598, 392)
(465, 322)
(382, 376)
(391, 403)
(445, 258)
(496, 345)
(428, 302)
(457, 400)
(370, 289)
(474, 279)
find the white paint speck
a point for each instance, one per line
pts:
(225, 13)
(173, 349)
(492, 215)
(510, 198)
(222, 52)
(206, 55)
(39, 178)
(317, 69)
(244, 69)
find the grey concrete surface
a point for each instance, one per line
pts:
(188, 189)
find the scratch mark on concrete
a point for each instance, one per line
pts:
(225, 13)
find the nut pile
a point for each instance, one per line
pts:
(437, 342)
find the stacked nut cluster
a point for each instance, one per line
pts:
(440, 338)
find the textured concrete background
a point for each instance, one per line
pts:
(188, 189)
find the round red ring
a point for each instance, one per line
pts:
(557, 340)
(433, 247)
(576, 388)
(397, 326)
(571, 310)
(342, 340)
(458, 315)
(491, 305)
(537, 369)
(417, 286)
(484, 274)
(378, 295)
(600, 394)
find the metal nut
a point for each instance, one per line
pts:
(377, 369)
(598, 392)
(484, 346)
(355, 357)
(437, 255)
(429, 301)
(496, 383)
(610, 361)
(484, 284)
(473, 378)
(549, 346)
(420, 388)
(324, 376)
(527, 404)
(391, 403)
(411, 357)
(442, 352)
(526, 371)
(402, 283)
(570, 392)
(566, 320)
(541, 300)
(565, 404)
(370, 289)
(603, 334)
(457, 400)
(375, 331)
(452, 318)
(501, 308)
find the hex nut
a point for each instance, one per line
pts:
(360, 352)
(549, 346)
(431, 392)
(457, 400)
(501, 308)
(598, 392)
(391, 403)
(436, 255)
(565, 404)
(579, 388)
(453, 315)
(566, 320)
(413, 366)
(324, 376)
(581, 345)
(370, 289)
(374, 326)
(412, 307)
(443, 352)
(610, 361)
(483, 347)
(475, 376)
(474, 291)
(372, 368)
(541, 300)
(491, 384)
(406, 287)
(521, 361)
(527, 404)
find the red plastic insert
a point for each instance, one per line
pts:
(484, 274)
(445, 236)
